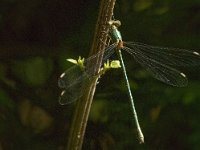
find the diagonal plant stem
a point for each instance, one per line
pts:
(83, 106)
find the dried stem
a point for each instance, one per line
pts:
(82, 111)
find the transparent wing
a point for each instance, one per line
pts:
(168, 56)
(73, 79)
(71, 82)
(74, 91)
(160, 61)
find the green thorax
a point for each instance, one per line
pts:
(115, 34)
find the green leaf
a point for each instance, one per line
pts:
(73, 61)
(79, 62)
(115, 64)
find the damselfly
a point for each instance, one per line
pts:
(159, 61)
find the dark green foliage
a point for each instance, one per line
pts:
(36, 37)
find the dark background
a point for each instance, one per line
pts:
(37, 36)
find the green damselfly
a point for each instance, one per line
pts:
(159, 61)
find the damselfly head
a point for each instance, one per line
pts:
(116, 23)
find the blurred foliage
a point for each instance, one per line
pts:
(36, 37)
(34, 71)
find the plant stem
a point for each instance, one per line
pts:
(82, 111)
